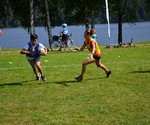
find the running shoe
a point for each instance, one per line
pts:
(37, 78)
(108, 73)
(79, 78)
(43, 78)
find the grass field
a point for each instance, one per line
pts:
(122, 99)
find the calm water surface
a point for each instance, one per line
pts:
(18, 37)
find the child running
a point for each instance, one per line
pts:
(95, 55)
(33, 56)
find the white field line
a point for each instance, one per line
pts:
(28, 67)
(59, 66)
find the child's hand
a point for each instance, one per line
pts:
(91, 56)
(76, 48)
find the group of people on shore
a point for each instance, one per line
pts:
(33, 53)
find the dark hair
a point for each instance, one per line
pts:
(33, 36)
(87, 32)
(93, 31)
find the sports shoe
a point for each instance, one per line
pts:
(37, 78)
(108, 73)
(79, 78)
(43, 78)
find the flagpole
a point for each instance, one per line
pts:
(107, 16)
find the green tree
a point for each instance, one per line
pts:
(48, 21)
(5, 13)
(32, 28)
(124, 10)
(21, 12)
(82, 11)
(147, 6)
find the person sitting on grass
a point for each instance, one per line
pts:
(33, 56)
(95, 55)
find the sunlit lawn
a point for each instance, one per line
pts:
(122, 99)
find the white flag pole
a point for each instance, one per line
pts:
(107, 16)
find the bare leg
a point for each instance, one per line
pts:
(99, 64)
(84, 64)
(91, 60)
(35, 70)
(38, 64)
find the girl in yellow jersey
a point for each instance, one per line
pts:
(95, 55)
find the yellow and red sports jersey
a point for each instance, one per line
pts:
(89, 47)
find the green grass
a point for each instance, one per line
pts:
(122, 99)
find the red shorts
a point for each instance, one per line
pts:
(97, 57)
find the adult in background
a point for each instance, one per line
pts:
(64, 35)
(95, 55)
(33, 51)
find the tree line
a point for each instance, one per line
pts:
(47, 13)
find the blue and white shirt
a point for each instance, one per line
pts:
(34, 49)
(64, 31)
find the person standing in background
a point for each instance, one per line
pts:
(94, 35)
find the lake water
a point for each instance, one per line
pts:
(18, 37)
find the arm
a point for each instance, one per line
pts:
(24, 51)
(80, 49)
(45, 53)
(61, 32)
(93, 48)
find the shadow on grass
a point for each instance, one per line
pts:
(38, 83)
(65, 83)
(75, 81)
(147, 71)
(15, 83)
(94, 78)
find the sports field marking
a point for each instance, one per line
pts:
(59, 66)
